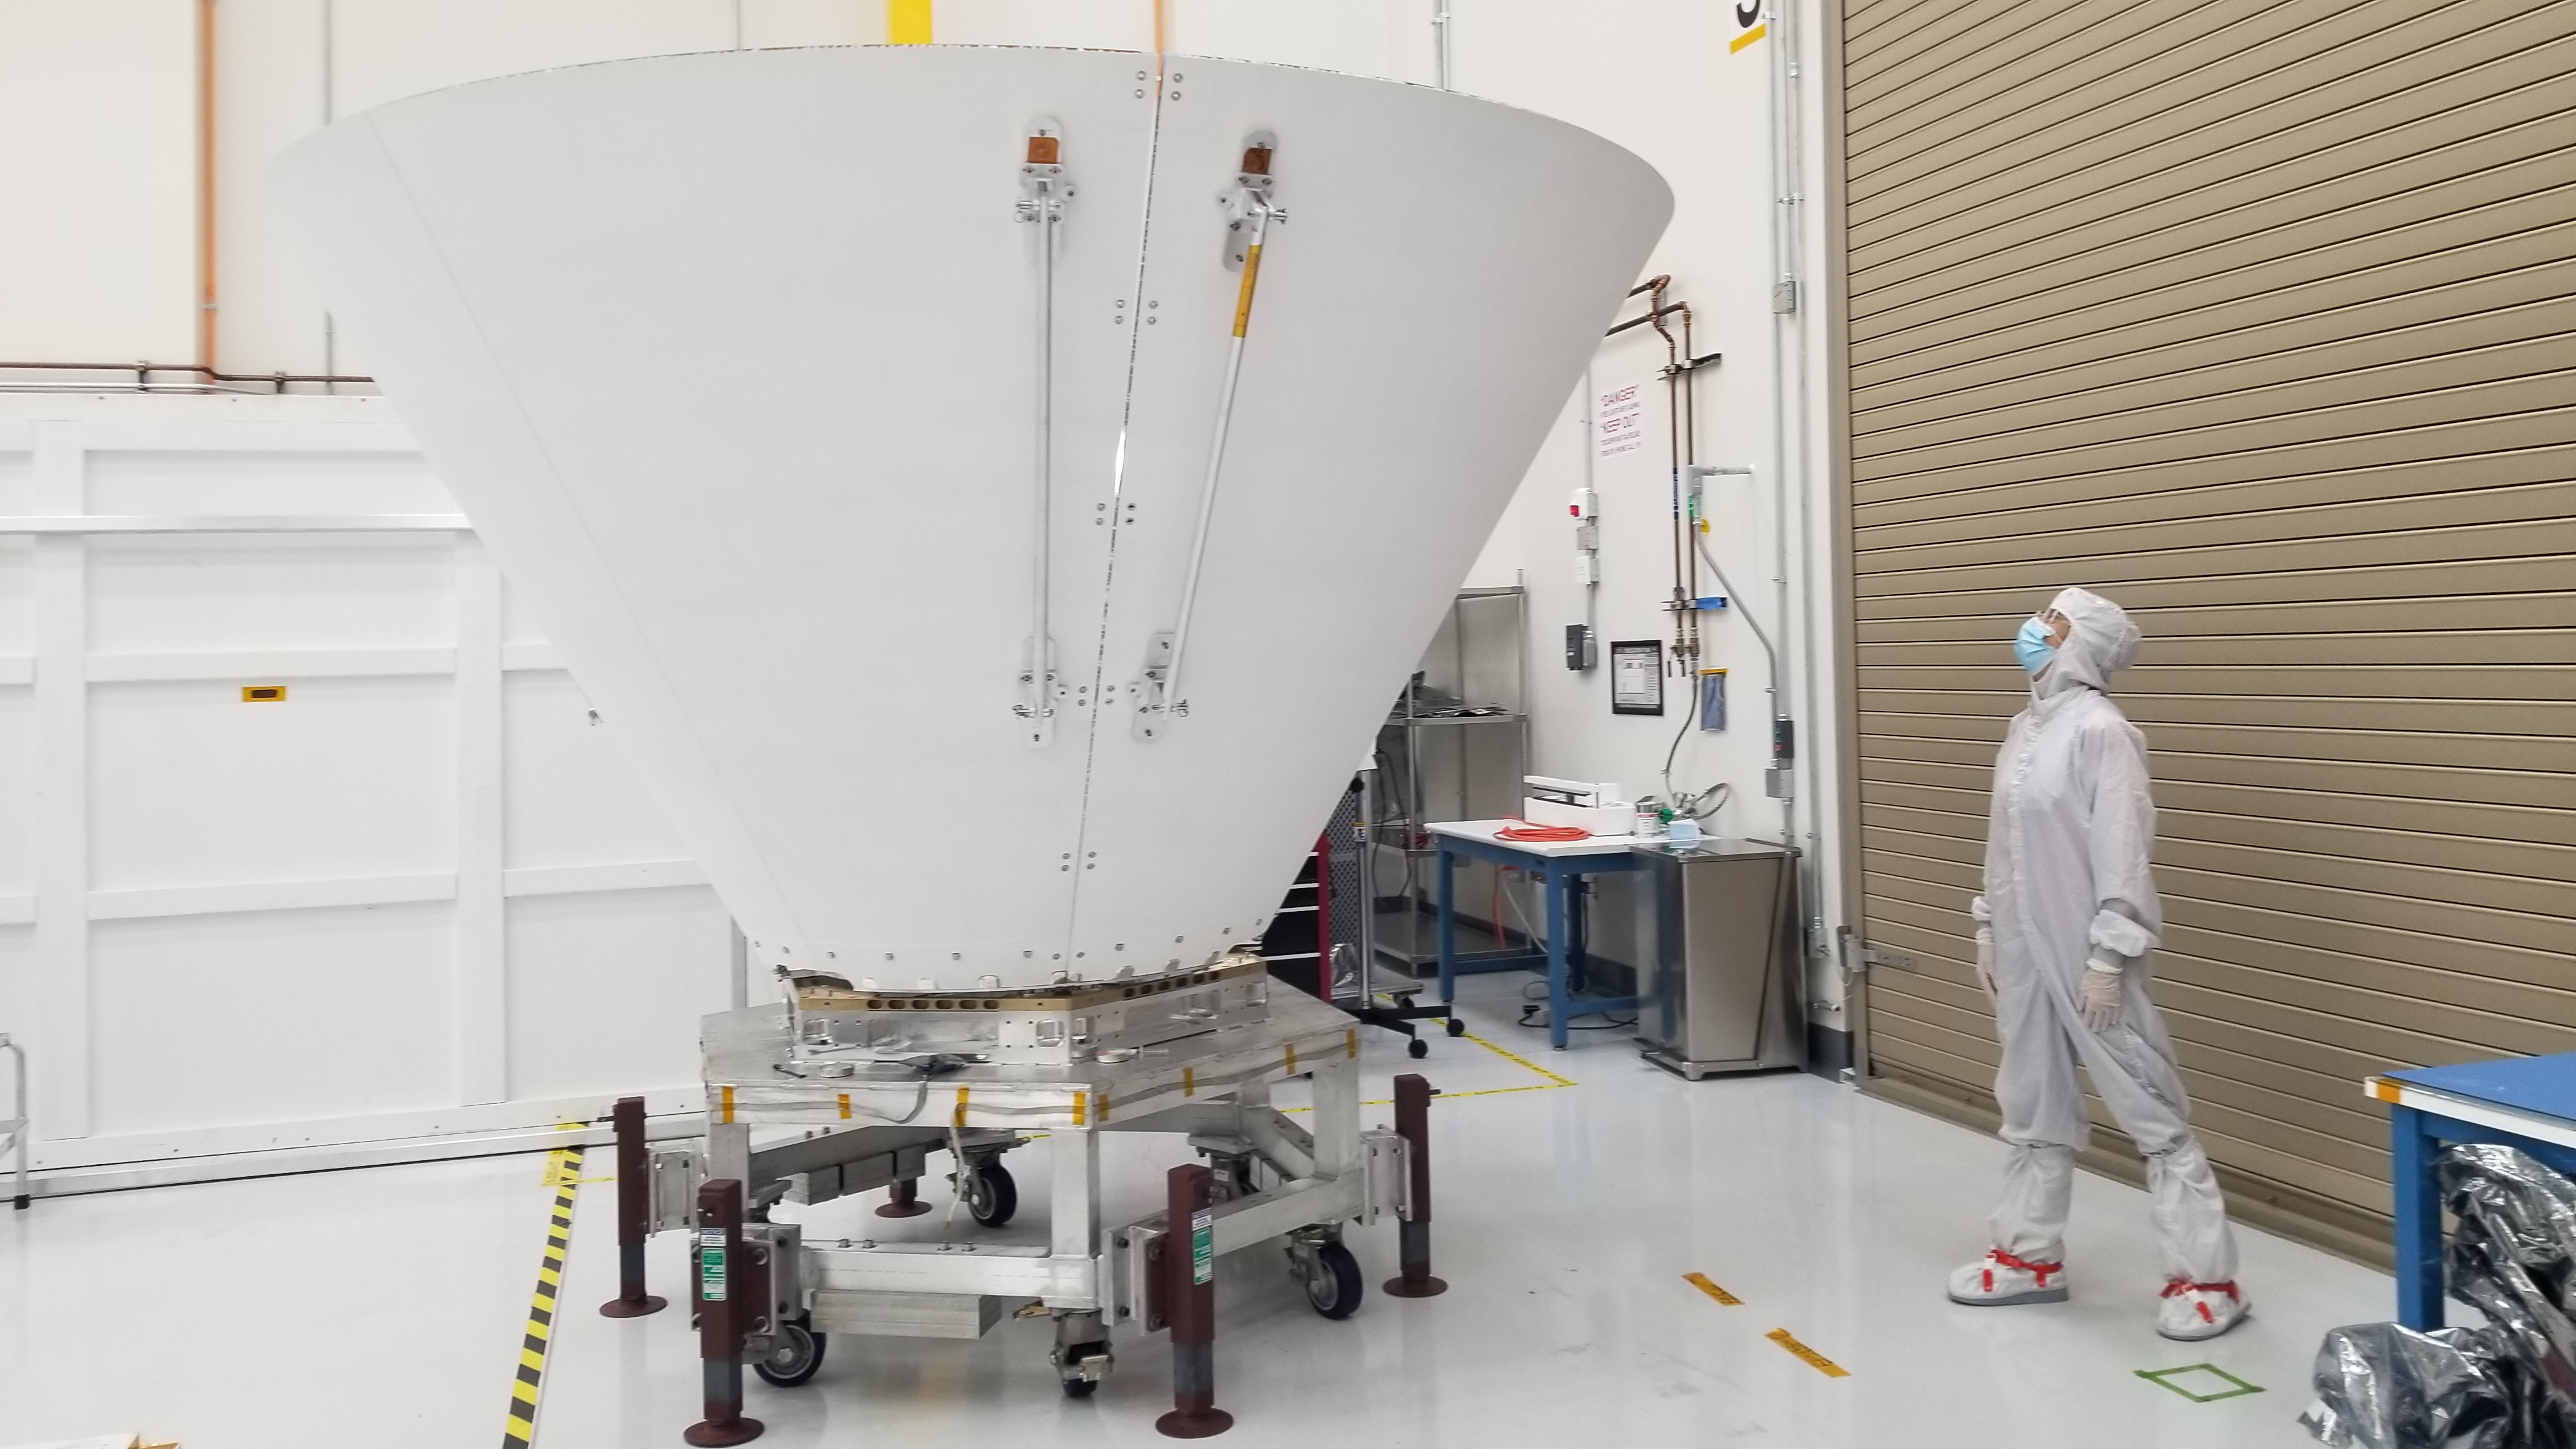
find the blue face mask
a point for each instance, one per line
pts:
(2034, 646)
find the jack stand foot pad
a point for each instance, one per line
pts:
(902, 1209)
(708, 1435)
(1427, 1288)
(1180, 1425)
(632, 1307)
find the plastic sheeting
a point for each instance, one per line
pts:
(2508, 1385)
(2380, 1386)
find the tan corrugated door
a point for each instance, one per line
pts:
(2260, 319)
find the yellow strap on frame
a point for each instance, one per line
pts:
(1243, 298)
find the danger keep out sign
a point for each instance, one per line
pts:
(1616, 419)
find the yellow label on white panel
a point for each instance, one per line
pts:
(907, 22)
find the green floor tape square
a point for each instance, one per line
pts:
(2183, 1381)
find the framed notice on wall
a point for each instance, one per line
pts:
(1637, 676)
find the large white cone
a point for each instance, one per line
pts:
(732, 360)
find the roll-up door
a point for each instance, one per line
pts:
(2260, 319)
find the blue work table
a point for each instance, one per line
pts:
(2527, 1103)
(1556, 863)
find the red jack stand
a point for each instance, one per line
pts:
(730, 1289)
(903, 1200)
(1413, 1233)
(1189, 1260)
(634, 1212)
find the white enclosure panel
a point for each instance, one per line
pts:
(1406, 353)
(15, 478)
(17, 594)
(17, 978)
(729, 358)
(213, 1021)
(572, 798)
(665, 949)
(170, 594)
(345, 777)
(196, 481)
(17, 790)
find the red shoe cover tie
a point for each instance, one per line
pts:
(2178, 1286)
(2039, 1271)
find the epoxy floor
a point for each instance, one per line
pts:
(384, 1307)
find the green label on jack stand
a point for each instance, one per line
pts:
(711, 1275)
(1202, 1246)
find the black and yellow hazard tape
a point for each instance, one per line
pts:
(563, 1173)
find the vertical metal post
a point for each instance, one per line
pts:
(2419, 1221)
(18, 1129)
(728, 1296)
(1413, 1250)
(1189, 1256)
(634, 1212)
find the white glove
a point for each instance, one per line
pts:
(2100, 999)
(1986, 964)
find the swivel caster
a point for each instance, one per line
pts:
(991, 1196)
(1457, 1027)
(1332, 1280)
(795, 1352)
(1417, 1048)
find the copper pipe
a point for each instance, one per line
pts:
(206, 187)
(141, 369)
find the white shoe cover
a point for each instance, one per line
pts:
(1999, 1279)
(2194, 1311)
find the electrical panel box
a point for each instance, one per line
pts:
(1578, 646)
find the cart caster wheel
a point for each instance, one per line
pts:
(1081, 1388)
(795, 1352)
(1457, 1027)
(1333, 1281)
(1417, 1048)
(991, 1196)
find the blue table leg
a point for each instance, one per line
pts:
(1558, 1002)
(1446, 864)
(2419, 1220)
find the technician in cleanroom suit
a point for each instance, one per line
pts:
(2064, 927)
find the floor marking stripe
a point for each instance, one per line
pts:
(1553, 1078)
(1700, 1282)
(563, 1174)
(2165, 1378)
(1808, 1356)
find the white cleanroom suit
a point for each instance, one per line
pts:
(2066, 922)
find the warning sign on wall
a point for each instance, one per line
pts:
(1617, 420)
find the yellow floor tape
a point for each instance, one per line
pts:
(1701, 1282)
(563, 1174)
(1808, 1356)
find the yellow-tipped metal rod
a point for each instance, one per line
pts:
(1173, 703)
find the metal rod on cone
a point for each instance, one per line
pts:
(725, 1300)
(1413, 1231)
(634, 1212)
(1189, 1258)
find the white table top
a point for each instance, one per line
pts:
(1488, 832)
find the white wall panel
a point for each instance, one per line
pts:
(347, 777)
(229, 928)
(17, 787)
(228, 1020)
(570, 1036)
(165, 594)
(571, 801)
(196, 480)
(98, 163)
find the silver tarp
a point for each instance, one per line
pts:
(2509, 1385)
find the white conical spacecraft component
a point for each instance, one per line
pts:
(755, 375)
